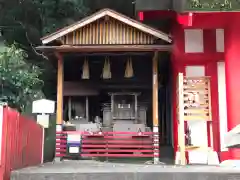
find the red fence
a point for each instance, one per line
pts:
(108, 144)
(21, 142)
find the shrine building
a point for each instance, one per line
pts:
(170, 72)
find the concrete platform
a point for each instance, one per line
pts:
(93, 170)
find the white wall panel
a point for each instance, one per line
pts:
(195, 71)
(193, 40)
(222, 103)
(220, 40)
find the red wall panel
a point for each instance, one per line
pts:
(22, 142)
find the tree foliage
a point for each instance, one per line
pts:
(38, 17)
(26, 21)
(20, 83)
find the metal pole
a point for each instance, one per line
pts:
(69, 108)
(112, 107)
(87, 109)
(136, 108)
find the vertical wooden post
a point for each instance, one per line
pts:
(59, 113)
(155, 107)
(59, 119)
(181, 129)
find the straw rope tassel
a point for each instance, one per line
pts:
(109, 69)
(106, 69)
(126, 69)
(131, 74)
(129, 69)
(85, 72)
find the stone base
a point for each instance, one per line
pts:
(93, 170)
(232, 138)
(230, 163)
(207, 157)
(57, 160)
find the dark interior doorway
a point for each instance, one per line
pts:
(141, 82)
(165, 109)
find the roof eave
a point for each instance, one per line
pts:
(100, 14)
(72, 28)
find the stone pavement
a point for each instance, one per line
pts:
(93, 170)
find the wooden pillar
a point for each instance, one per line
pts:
(155, 107)
(181, 125)
(59, 112)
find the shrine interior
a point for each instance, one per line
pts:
(90, 98)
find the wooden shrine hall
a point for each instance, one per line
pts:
(103, 32)
(104, 60)
(114, 74)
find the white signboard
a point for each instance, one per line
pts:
(74, 150)
(74, 138)
(43, 106)
(43, 120)
(198, 157)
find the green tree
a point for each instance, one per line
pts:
(26, 21)
(20, 83)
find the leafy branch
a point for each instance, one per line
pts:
(20, 83)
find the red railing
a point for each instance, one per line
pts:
(109, 144)
(21, 142)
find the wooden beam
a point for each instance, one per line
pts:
(110, 13)
(105, 48)
(60, 72)
(155, 106)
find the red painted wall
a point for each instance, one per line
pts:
(232, 65)
(229, 21)
(22, 143)
(209, 59)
